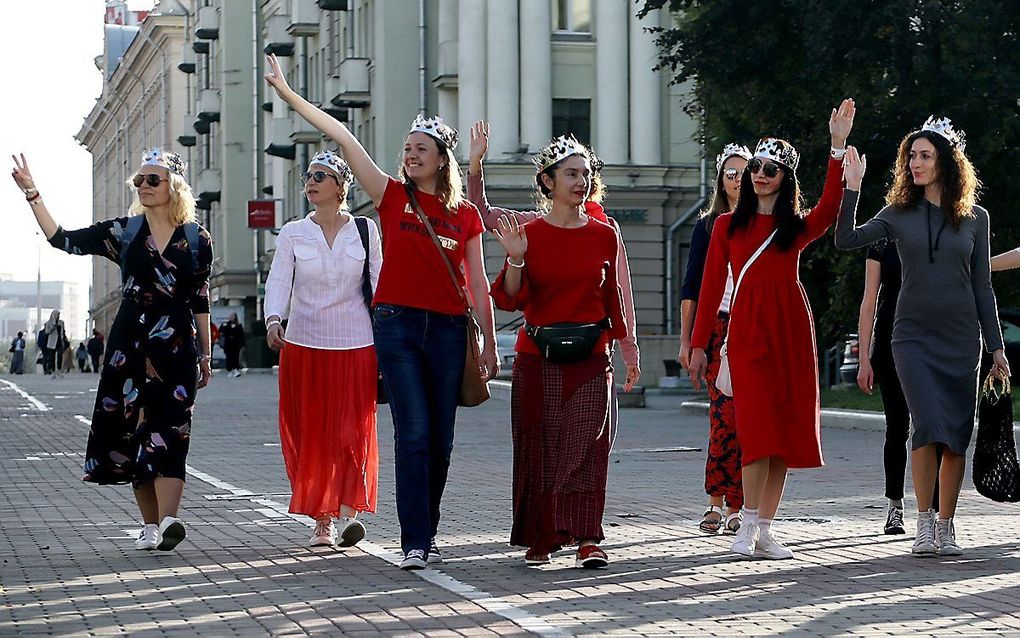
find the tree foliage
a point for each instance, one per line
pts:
(778, 68)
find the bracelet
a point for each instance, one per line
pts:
(512, 264)
(29, 192)
(837, 153)
(33, 197)
(205, 357)
(274, 322)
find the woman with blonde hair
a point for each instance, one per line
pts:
(159, 345)
(419, 314)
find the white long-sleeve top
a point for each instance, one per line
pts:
(318, 288)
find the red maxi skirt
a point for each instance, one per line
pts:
(328, 428)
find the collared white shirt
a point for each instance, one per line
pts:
(318, 288)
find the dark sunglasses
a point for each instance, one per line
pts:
(151, 179)
(732, 174)
(318, 176)
(771, 169)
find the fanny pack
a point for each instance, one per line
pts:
(567, 342)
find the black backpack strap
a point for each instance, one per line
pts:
(134, 224)
(366, 277)
(191, 231)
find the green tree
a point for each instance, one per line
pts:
(777, 68)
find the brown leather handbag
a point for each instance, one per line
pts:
(473, 390)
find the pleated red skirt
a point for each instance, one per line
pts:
(328, 428)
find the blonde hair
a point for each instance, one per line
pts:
(182, 200)
(449, 182)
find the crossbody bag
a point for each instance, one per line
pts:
(366, 291)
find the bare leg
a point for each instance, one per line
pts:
(347, 511)
(923, 468)
(773, 490)
(168, 493)
(950, 482)
(755, 476)
(145, 496)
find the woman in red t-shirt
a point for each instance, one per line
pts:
(419, 319)
(561, 393)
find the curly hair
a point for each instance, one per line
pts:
(788, 209)
(449, 183)
(953, 170)
(182, 200)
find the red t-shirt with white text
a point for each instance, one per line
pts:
(413, 273)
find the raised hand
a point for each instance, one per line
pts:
(841, 121)
(512, 237)
(22, 176)
(854, 166)
(275, 77)
(479, 141)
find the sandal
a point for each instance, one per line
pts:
(733, 522)
(711, 525)
(591, 557)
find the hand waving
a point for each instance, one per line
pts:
(22, 176)
(841, 121)
(275, 77)
(854, 165)
(512, 237)
(479, 141)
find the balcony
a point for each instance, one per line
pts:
(201, 126)
(200, 46)
(209, 105)
(304, 18)
(350, 89)
(301, 132)
(332, 5)
(278, 41)
(208, 25)
(187, 63)
(278, 142)
(187, 131)
(209, 184)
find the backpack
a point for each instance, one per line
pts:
(134, 224)
(366, 278)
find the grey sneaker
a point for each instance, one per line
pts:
(945, 538)
(924, 542)
(894, 521)
(746, 540)
(414, 559)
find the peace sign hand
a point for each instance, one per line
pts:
(275, 77)
(512, 237)
(22, 176)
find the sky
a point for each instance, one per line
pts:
(52, 84)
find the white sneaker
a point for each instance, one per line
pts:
(771, 548)
(148, 537)
(924, 542)
(945, 538)
(414, 559)
(351, 531)
(171, 533)
(324, 534)
(746, 540)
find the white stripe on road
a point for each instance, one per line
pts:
(36, 403)
(84, 419)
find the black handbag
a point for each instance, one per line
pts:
(567, 342)
(366, 291)
(996, 470)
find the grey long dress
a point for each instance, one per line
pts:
(946, 303)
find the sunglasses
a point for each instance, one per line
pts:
(318, 177)
(151, 179)
(732, 174)
(770, 169)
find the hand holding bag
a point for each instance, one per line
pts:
(722, 380)
(996, 470)
(473, 390)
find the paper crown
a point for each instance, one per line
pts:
(437, 128)
(563, 147)
(779, 151)
(156, 156)
(944, 127)
(731, 150)
(335, 163)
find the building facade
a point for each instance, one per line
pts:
(20, 299)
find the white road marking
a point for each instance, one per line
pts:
(84, 419)
(36, 403)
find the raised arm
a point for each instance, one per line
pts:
(366, 171)
(848, 234)
(476, 182)
(821, 217)
(1006, 261)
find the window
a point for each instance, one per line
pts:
(572, 16)
(572, 116)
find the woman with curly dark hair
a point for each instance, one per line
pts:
(946, 305)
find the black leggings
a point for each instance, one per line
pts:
(897, 428)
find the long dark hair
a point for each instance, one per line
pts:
(717, 205)
(789, 220)
(960, 183)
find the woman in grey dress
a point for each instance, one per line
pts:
(946, 305)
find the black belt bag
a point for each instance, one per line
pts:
(567, 342)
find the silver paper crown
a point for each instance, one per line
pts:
(731, 150)
(156, 156)
(779, 151)
(563, 147)
(944, 127)
(335, 163)
(437, 128)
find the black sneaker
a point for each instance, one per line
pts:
(894, 521)
(435, 557)
(414, 559)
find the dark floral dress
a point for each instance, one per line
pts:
(141, 424)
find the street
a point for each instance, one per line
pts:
(69, 566)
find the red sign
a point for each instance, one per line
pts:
(261, 213)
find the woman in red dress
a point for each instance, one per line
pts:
(771, 342)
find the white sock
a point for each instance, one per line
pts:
(149, 526)
(750, 516)
(764, 523)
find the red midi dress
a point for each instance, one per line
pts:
(771, 349)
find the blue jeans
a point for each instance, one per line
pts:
(421, 357)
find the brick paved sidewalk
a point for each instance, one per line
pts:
(69, 566)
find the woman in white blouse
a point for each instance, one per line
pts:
(321, 283)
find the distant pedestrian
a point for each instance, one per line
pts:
(56, 343)
(95, 348)
(232, 341)
(18, 354)
(82, 355)
(43, 352)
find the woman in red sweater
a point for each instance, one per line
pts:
(561, 271)
(419, 318)
(771, 341)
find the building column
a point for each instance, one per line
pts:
(503, 80)
(536, 73)
(645, 89)
(610, 130)
(471, 49)
(447, 63)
